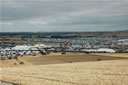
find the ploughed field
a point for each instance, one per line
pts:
(68, 69)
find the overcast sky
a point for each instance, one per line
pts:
(63, 15)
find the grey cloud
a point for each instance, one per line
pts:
(64, 15)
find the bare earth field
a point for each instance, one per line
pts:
(57, 69)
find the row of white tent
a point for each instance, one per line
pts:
(26, 47)
(22, 50)
(123, 42)
(39, 46)
(31, 50)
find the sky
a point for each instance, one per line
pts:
(63, 15)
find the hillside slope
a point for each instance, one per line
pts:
(113, 72)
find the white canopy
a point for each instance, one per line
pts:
(106, 50)
(21, 47)
(40, 46)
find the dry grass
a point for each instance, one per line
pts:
(13, 63)
(113, 72)
(57, 58)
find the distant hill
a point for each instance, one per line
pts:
(122, 33)
(29, 33)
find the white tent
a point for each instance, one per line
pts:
(21, 47)
(7, 49)
(40, 46)
(88, 50)
(107, 50)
